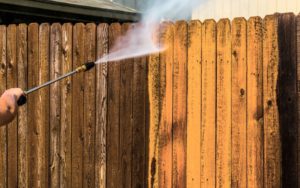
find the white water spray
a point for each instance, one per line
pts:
(138, 40)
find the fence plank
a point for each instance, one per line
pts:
(287, 97)
(66, 107)
(89, 108)
(12, 129)
(78, 107)
(208, 131)
(165, 124)
(23, 112)
(101, 107)
(154, 110)
(194, 103)
(179, 104)
(113, 114)
(126, 68)
(3, 134)
(43, 106)
(254, 103)
(272, 143)
(33, 57)
(139, 136)
(223, 132)
(238, 105)
(55, 103)
(298, 87)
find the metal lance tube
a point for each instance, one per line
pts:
(83, 68)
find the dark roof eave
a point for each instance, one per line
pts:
(71, 9)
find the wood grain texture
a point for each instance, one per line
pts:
(208, 114)
(126, 68)
(272, 142)
(101, 107)
(223, 126)
(89, 108)
(179, 123)
(287, 98)
(298, 88)
(23, 112)
(238, 103)
(55, 102)
(194, 86)
(78, 107)
(66, 107)
(165, 124)
(255, 118)
(154, 110)
(3, 132)
(12, 129)
(113, 114)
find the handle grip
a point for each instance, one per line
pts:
(22, 100)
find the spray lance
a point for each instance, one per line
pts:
(83, 68)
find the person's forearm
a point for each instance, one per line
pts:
(5, 114)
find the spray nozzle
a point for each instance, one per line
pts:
(85, 67)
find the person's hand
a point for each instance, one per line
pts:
(8, 104)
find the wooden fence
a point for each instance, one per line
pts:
(218, 108)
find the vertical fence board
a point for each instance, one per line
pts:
(43, 106)
(55, 103)
(101, 108)
(254, 103)
(139, 89)
(154, 110)
(113, 114)
(66, 107)
(126, 68)
(179, 104)
(23, 112)
(89, 108)
(12, 129)
(298, 88)
(165, 124)
(194, 104)
(272, 143)
(238, 105)
(78, 107)
(3, 73)
(287, 98)
(208, 114)
(33, 57)
(223, 126)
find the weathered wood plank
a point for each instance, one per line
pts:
(126, 68)
(55, 103)
(194, 103)
(139, 137)
(3, 132)
(165, 89)
(89, 108)
(154, 110)
(101, 107)
(23, 112)
(287, 98)
(238, 104)
(298, 87)
(43, 107)
(255, 103)
(12, 129)
(272, 143)
(208, 130)
(223, 132)
(77, 107)
(66, 107)
(179, 104)
(113, 114)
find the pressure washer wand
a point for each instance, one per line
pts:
(83, 68)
